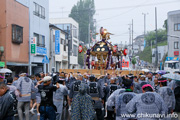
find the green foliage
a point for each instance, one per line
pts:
(81, 58)
(83, 13)
(146, 55)
(160, 44)
(165, 25)
(133, 60)
(151, 36)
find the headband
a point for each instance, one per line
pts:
(146, 85)
(163, 81)
(2, 77)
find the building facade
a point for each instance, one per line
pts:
(173, 23)
(138, 44)
(162, 52)
(38, 35)
(58, 45)
(14, 34)
(70, 26)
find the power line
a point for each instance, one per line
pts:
(122, 13)
(125, 7)
(140, 5)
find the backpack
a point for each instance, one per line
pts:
(93, 88)
(76, 86)
(177, 97)
(113, 88)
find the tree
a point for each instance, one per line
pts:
(81, 58)
(83, 13)
(134, 62)
(165, 25)
(151, 36)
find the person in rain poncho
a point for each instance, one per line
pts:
(156, 85)
(168, 96)
(123, 99)
(58, 97)
(82, 107)
(111, 101)
(147, 103)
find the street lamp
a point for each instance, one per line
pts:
(179, 46)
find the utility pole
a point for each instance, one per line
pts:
(156, 38)
(129, 37)
(89, 33)
(132, 38)
(144, 22)
(89, 25)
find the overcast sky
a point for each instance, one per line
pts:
(115, 15)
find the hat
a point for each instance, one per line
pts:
(47, 78)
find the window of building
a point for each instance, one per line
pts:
(64, 47)
(40, 39)
(177, 27)
(17, 34)
(39, 10)
(62, 41)
(37, 38)
(176, 45)
(74, 31)
(75, 50)
(75, 41)
(43, 13)
(36, 9)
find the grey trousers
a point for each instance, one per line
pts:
(26, 107)
(59, 106)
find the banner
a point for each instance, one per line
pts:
(57, 42)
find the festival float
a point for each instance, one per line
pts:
(100, 56)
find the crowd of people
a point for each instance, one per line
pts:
(145, 96)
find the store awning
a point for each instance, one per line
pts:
(19, 64)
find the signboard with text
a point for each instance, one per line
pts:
(176, 52)
(171, 58)
(2, 64)
(125, 63)
(41, 51)
(57, 42)
(33, 45)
